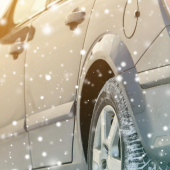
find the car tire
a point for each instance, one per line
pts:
(130, 152)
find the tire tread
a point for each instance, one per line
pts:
(131, 142)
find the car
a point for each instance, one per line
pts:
(85, 84)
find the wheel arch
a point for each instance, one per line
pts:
(109, 57)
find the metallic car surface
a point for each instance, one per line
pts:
(41, 88)
(51, 79)
(139, 45)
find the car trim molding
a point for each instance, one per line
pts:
(50, 116)
(155, 77)
(12, 130)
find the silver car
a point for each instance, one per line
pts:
(85, 84)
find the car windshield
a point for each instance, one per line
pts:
(3, 6)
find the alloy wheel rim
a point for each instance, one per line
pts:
(106, 145)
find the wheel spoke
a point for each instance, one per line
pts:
(113, 139)
(103, 126)
(97, 137)
(113, 130)
(96, 156)
(106, 141)
(113, 163)
(95, 166)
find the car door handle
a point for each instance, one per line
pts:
(75, 17)
(16, 49)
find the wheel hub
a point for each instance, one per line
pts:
(106, 152)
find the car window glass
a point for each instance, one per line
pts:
(4, 6)
(54, 1)
(26, 8)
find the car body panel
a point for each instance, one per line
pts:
(138, 46)
(15, 153)
(150, 115)
(130, 21)
(57, 114)
(149, 26)
(51, 79)
(154, 78)
(52, 65)
(111, 45)
(56, 145)
(12, 106)
(157, 56)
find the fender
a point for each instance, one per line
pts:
(110, 48)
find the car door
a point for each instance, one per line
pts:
(52, 66)
(14, 142)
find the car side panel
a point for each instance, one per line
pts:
(154, 77)
(53, 61)
(14, 141)
(108, 16)
(151, 23)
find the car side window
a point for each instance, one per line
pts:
(54, 1)
(3, 8)
(26, 8)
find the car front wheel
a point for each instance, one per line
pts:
(113, 141)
